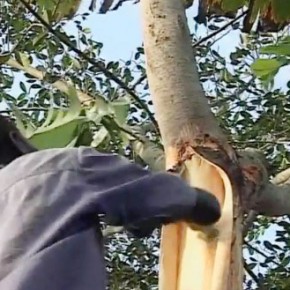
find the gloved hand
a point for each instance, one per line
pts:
(142, 212)
(152, 200)
(199, 207)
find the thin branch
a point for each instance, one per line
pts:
(139, 81)
(261, 253)
(252, 274)
(214, 33)
(130, 133)
(60, 85)
(32, 109)
(93, 62)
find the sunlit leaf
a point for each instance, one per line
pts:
(121, 110)
(263, 67)
(279, 49)
(99, 137)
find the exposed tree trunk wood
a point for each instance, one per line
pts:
(191, 259)
(258, 196)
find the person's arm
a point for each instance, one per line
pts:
(139, 200)
(48, 237)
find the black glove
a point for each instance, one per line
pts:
(159, 199)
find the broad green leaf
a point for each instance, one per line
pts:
(125, 138)
(22, 58)
(75, 104)
(264, 67)
(61, 126)
(281, 10)
(100, 109)
(279, 49)
(232, 5)
(121, 110)
(39, 38)
(72, 143)
(48, 4)
(85, 136)
(25, 129)
(58, 136)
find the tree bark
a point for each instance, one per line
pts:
(204, 258)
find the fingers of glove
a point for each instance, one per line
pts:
(206, 210)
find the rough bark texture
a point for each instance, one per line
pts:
(270, 198)
(178, 98)
(209, 259)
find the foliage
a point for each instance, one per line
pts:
(267, 69)
(254, 115)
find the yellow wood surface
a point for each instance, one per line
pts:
(193, 259)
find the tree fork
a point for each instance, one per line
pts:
(192, 258)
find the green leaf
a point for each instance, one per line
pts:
(39, 38)
(279, 49)
(281, 10)
(121, 110)
(60, 127)
(151, 154)
(99, 137)
(58, 135)
(232, 5)
(23, 87)
(26, 128)
(24, 59)
(264, 67)
(4, 58)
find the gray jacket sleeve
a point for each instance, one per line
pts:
(49, 201)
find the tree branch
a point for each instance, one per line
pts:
(93, 62)
(214, 33)
(262, 254)
(60, 85)
(270, 198)
(252, 275)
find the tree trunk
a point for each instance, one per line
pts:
(204, 258)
